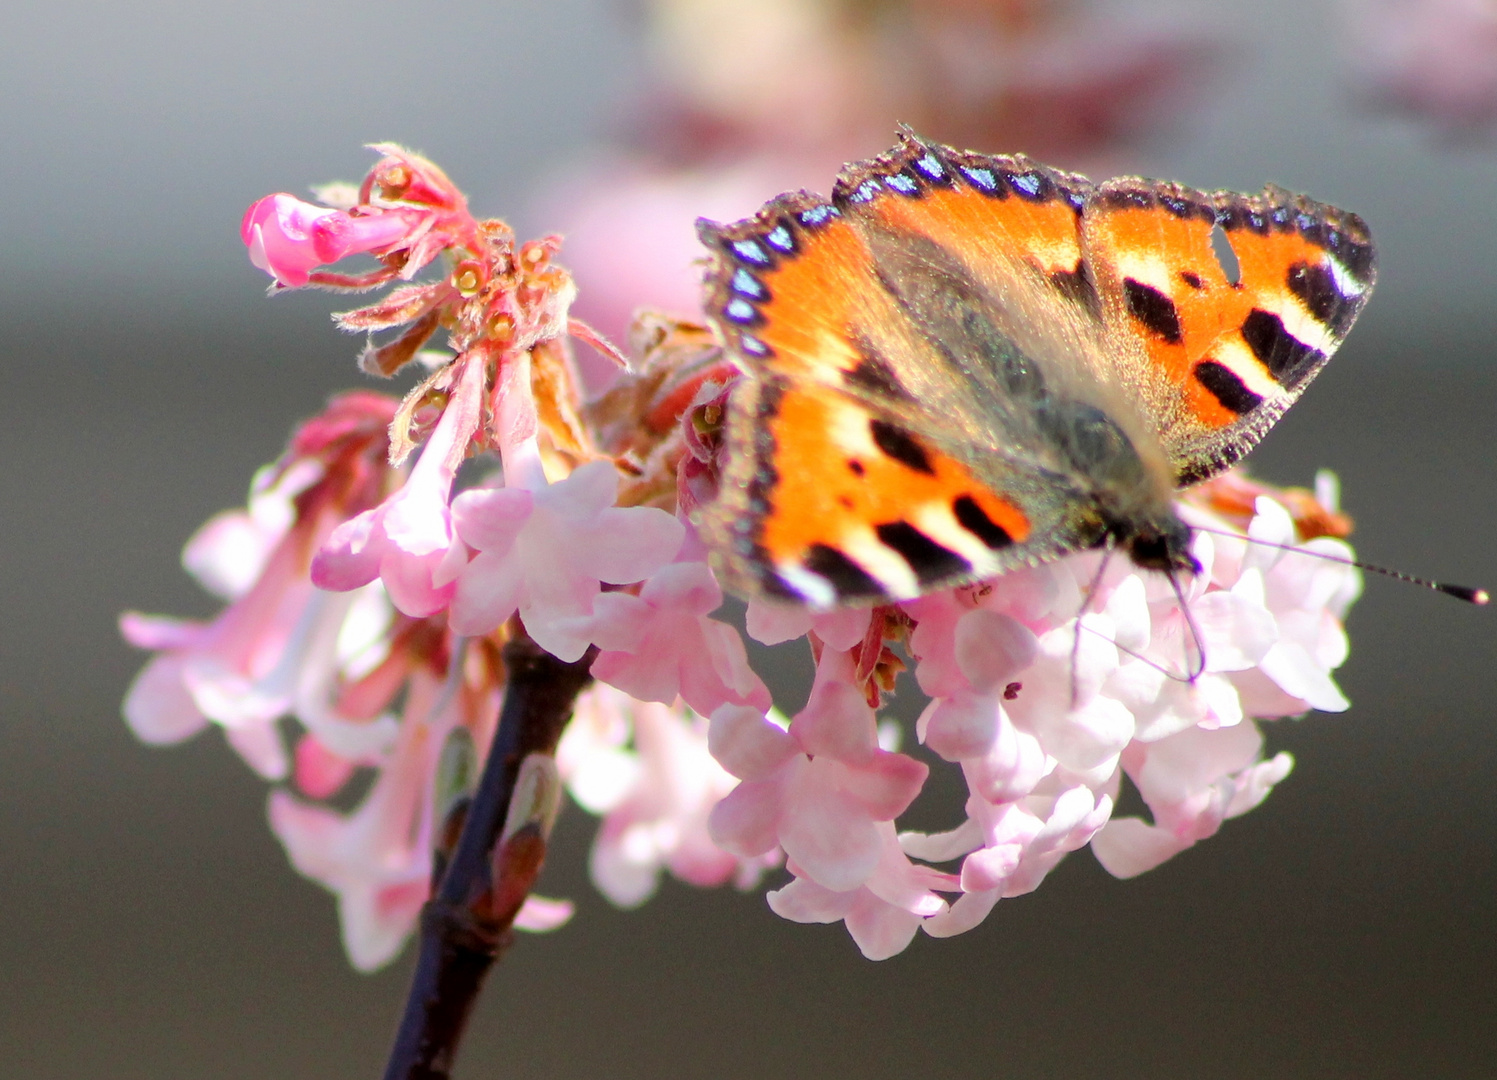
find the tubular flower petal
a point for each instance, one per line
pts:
(288, 238)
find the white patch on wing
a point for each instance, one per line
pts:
(849, 430)
(816, 589)
(1347, 284)
(1232, 352)
(1146, 269)
(886, 565)
(936, 521)
(1301, 324)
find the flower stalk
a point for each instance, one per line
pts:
(466, 925)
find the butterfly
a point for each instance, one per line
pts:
(960, 364)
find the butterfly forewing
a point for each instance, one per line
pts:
(1226, 356)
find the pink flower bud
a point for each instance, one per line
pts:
(288, 238)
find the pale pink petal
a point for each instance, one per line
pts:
(992, 649)
(158, 707)
(804, 901)
(746, 744)
(966, 912)
(487, 593)
(350, 557)
(828, 836)
(319, 772)
(770, 623)
(540, 914)
(1294, 669)
(490, 519)
(884, 784)
(745, 821)
(262, 748)
(1126, 847)
(881, 930)
(159, 631)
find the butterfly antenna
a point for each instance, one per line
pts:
(1467, 593)
(1155, 664)
(1198, 665)
(1086, 601)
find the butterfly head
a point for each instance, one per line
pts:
(1162, 545)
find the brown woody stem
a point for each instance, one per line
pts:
(463, 931)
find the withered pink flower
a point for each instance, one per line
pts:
(288, 238)
(407, 213)
(407, 541)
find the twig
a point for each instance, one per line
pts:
(462, 933)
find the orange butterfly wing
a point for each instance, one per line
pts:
(1227, 357)
(961, 363)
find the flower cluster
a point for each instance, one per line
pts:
(370, 594)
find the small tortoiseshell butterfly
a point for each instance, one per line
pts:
(960, 364)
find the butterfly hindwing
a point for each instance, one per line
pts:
(880, 513)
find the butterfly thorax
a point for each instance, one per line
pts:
(1119, 492)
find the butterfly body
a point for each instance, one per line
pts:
(960, 364)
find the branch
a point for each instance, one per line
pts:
(463, 928)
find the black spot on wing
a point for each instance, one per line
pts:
(929, 560)
(1226, 387)
(975, 520)
(900, 445)
(1192, 279)
(1077, 286)
(1152, 308)
(1288, 359)
(845, 576)
(1315, 287)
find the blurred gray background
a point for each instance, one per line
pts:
(151, 927)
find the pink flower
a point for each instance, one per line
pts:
(770, 624)
(884, 912)
(1045, 711)
(407, 540)
(543, 552)
(661, 645)
(273, 650)
(288, 238)
(644, 767)
(377, 860)
(1018, 843)
(237, 670)
(819, 790)
(1192, 782)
